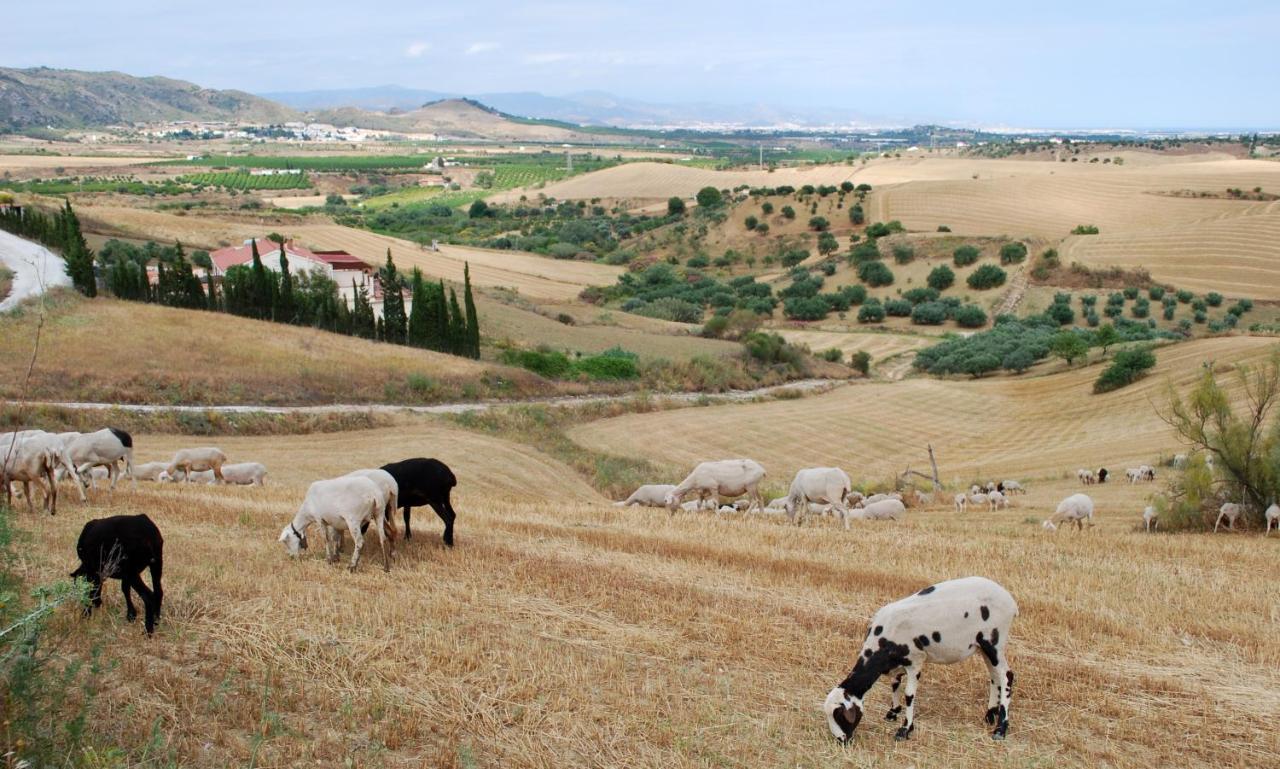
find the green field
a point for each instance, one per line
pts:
(319, 163)
(121, 184)
(241, 180)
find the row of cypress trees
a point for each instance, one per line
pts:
(436, 321)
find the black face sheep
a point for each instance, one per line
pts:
(120, 547)
(424, 481)
(944, 623)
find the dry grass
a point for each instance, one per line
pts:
(563, 632)
(113, 351)
(36, 165)
(1021, 427)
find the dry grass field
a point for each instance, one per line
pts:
(42, 165)
(561, 631)
(124, 352)
(1021, 427)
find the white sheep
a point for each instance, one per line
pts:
(992, 486)
(205, 458)
(245, 474)
(1077, 509)
(103, 448)
(349, 502)
(874, 498)
(962, 502)
(1013, 487)
(882, 510)
(726, 478)
(1231, 511)
(648, 495)
(195, 476)
(1132, 474)
(34, 455)
(978, 500)
(997, 500)
(975, 489)
(1179, 461)
(821, 485)
(1150, 518)
(1273, 518)
(1086, 477)
(149, 471)
(944, 623)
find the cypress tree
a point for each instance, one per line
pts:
(286, 309)
(393, 319)
(342, 318)
(362, 320)
(76, 253)
(442, 319)
(472, 321)
(261, 287)
(418, 332)
(457, 325)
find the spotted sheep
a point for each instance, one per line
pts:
(943, 623)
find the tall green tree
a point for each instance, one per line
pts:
(457, 325)
(76, 253)
(285, 309)
(471, 319)
(419, 332)
(394, 321)
(442, 319)
(260, 289)
(363, 323)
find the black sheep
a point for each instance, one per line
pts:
(120, 547)
(425, 482)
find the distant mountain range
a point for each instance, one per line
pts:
(591, 108)
(63, 98)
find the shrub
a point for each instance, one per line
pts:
(762, 228)
(772, 349)
(1141, 308)
(860, 361)
(943, 228)
(1019, 360)
(1113, 311)
(545, 362)
(766, 208)
(903, 253)
(832, 355)
(1185, 296)
(1092, 319)
(1085, 229)
(1156, 293)
(898, 308)
(1200, 317)
(698, 262)
(875, 274)
(864, 252)
(970, 316)
(854, 294)
(788, 212)
(670, 308)
(675, 206)
(827, 243)
(856, 215)
(881, 229)
(930, 314)
(806, 308)
(986, 276)
(1199, 305)
(1127, 367)
(870, 313)
(750, 222)
(1130, 292)
(965, 255)
(794, 256)
(1013, 253)
(1168, 312)
(1089, 300)
(614, 363)
(918, 295)
(819, 223)
(1213, 299)
(1062, 314)
(980, 365)
(941, 278)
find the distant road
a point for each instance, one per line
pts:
(35, 269)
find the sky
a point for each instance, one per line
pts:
(1081, 64)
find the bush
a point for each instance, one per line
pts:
(864, 252)
(903, 253)
(709, 197)
(1115, 299)
(772, 349)
(870, 313)
(670, 308)
(788, 212)
(856, 215)
(875, 274)
(698, 262)
(986, 276)
(614, 363)
(970, 316)
(898, 308)
(1127, 367)
(832, 355)
(860, 361)
(930, 314)
(1213, 299)
(943, 228)
(1185, 296)
(806, 308)
(1013, 253)
(881, 229)
(1200, 316)
(1113, 311)
(1141, 308)
(965, 255)
(1130, 292)
(1092, 319)
(941, 278)
(1169, 311)
(854, 294)
(918, 295)
(1019, 360)
(1199, 305)
(548, 363)
(819, 223)
(1156, 293)
(1089, 300)
(750, 222)
(1062, 314)
(1085, 229)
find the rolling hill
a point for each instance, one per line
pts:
(456, 119)
(65, 98)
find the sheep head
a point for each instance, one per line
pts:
(843, 711)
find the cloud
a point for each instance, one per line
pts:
(475, 48)
(550, 57)
(416, 49)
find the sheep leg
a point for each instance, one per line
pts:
(408, 532)
(95, 594)
(1004, 678)
(358, 540)
(382, 537)
(896, 709)
(444, 509)
(26, 492)
(1215, 523)
(904, 731)
(157, 566)
(148, 601)
(130, 611)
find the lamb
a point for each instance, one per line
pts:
(347, 502)
(962, 502)
(648, 495)
(245, 474)
(1077, 509)
(997, 500)
(195, 476)
(885, 509)
(726, 477)
(1231, 511)
(34, 455)
(943, 623)
(120, 547)
(1150, 518)
(422, 481)
(823, 485)
(1012, 487)
(103, 448)
(1086, 477)
(149, 471)
(1146, 473)
(975, 489)
(205, 458)
(1273, 518)
(881, 497)
(979, 499)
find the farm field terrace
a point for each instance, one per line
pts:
(563, 631)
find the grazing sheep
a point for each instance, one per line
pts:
(347, 502)
(648, 495)
(1150, 518)
(726, 478)
(34, 455)
(975, 489)
(1086, 477)
(853, 498)
(1273, 518)
(390, 492)
(1132, 474)
(120, 547)
(423, 481)
(245, 474)
(943, 623)
(992, 486)
(881, 497)
(962, 502)
(924, 498)
(205, 458)
(1102, 475)
(149, 471)
(978, 499)
(1231, 511)
(1146, 473)
(1179, 461)
(997, 500)
(1012, 487)
(822, 485)
(195, 476)
(1077, 509)
(103, 448)
(883, 510)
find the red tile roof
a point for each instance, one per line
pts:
(231, 256)
(341, 260)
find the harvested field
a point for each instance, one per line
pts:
(878, 345)
(1022, 427)
(561, 631)
(42, 165)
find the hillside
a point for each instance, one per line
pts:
(455, 119)
(64, 98)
